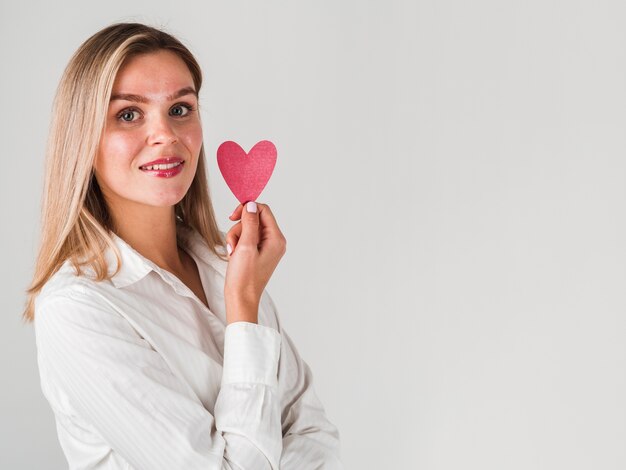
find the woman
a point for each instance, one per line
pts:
(157, 347)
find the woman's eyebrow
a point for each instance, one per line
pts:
(142, 99)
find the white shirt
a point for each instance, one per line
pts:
(141, 375)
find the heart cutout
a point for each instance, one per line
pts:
(246, 174)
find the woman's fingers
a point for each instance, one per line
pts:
(267, 218)
(265, 214)
(250, 226)
(234, 234)
(232, 237)
(272, 239)
(269, 232)
(236, 215)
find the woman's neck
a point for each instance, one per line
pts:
(152, 233)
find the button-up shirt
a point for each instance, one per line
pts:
(140, 374)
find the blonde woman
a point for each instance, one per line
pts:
(158, 346)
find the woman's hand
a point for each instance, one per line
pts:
(257, 246)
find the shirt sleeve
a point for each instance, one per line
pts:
(310, 440)
(150, 417)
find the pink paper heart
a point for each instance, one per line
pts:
(246, 174)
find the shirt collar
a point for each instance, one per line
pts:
(135, 266)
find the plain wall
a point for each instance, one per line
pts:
(450, 181)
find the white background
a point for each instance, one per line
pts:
(450, 181)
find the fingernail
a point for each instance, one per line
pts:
(229, 249)
(251, 206)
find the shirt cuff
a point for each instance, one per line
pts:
(251, 353)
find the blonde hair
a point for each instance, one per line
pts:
(75, 222)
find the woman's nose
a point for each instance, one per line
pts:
(161, 131)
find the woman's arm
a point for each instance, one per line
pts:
(150, 418)
(310, 440)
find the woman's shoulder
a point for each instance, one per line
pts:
(77, 305)
(67, 283)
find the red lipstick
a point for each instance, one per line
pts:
(164, 160)
(165, 172)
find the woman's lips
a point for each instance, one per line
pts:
(167, 173)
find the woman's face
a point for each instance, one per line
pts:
(160, 120)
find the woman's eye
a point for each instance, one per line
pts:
(179, 110)
(186, 109)
(125, 113)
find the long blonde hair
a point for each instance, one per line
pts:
(75, 222)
